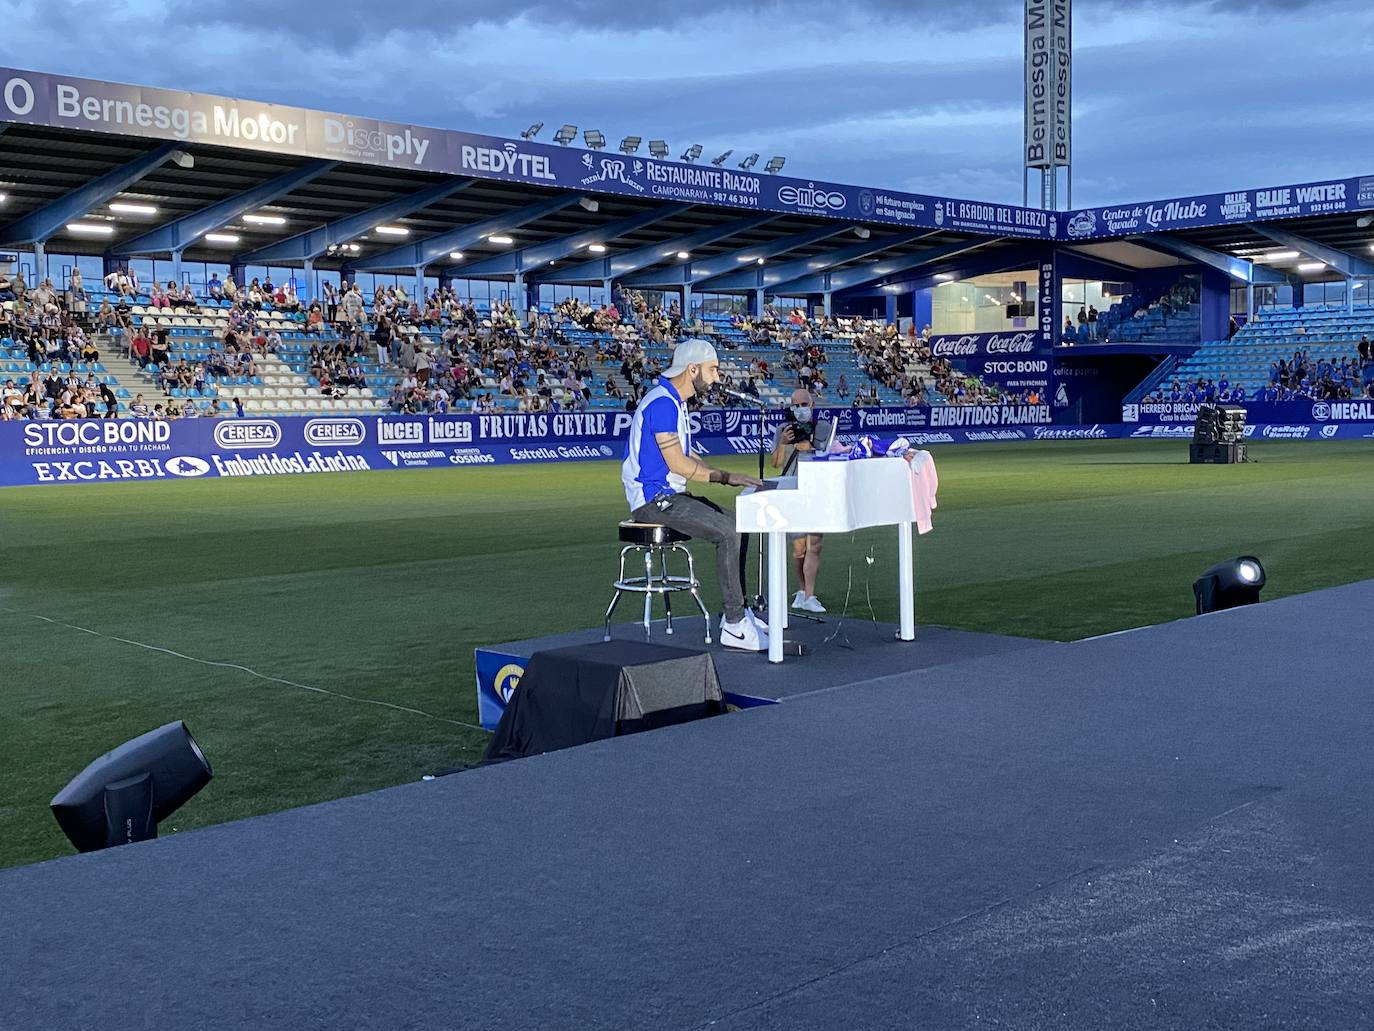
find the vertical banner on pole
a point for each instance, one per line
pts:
(1047, 142)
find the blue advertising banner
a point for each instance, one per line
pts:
(1263, 413)
(498, 675)
(114, 450)
(37, 98)
(1329, 197)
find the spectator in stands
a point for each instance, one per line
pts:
(160, 347)
(140, 349)
(1363, 350)
(76, 293)
(1092, 322)
(231, 290)
(214, 287)
(139, 409)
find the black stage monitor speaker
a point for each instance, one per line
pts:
(122, 796)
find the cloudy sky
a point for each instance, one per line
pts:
(1170, 98)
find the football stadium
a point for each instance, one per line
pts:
(462, 581)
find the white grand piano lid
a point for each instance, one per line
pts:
(831, 497)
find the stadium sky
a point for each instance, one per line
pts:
(1170, 98)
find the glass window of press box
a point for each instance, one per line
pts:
(1090, 293)
(993, 303)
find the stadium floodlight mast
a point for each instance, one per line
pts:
(774, 165)
(749, 162)
(692, 153)
(565, 135)
(658, 148)
(594, 139)
(630, 144)
(532, 131)
(722, 158)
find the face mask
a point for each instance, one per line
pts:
(802, 412)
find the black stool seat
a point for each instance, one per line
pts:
(633, 532)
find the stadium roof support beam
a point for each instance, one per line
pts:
(41, 224)
(691, 272)
(861, 275)
(1341, 261)
(1242, 269)
(613, 266)
(316, 241)
(433, 248)
(526, 259)
(767, 277)
(174, 237)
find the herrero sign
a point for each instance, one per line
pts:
(1049, 83)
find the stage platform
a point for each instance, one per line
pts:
(1166, 828)
(841, 652)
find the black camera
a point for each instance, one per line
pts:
(802, 432)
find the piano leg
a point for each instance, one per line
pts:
(777, 594)
(906, 583)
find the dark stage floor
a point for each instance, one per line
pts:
(1169, 828)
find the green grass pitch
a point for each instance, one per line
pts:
(378, 586)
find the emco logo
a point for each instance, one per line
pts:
(254, 433)
(809, 197)
(334, 432)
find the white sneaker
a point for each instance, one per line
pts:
(744, 635)
(799, 599)
(811, 604)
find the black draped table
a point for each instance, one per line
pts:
(569, 696)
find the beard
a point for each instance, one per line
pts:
(699, 384)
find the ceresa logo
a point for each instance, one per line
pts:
(334, 432)
(809, 196)
(248, 433)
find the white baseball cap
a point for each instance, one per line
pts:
(693, 351)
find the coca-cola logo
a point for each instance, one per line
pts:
(954, 347)
(948, 347)
(1017, 343)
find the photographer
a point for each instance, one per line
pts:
(797, 434)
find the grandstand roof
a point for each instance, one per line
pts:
(72, 146)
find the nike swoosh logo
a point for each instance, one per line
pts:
(737, 637)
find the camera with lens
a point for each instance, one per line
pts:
(802, 432)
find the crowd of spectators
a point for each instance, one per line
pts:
(1300, 378)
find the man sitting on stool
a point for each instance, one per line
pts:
(798, 434)
(659, 462)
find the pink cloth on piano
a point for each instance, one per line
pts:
(924, 483)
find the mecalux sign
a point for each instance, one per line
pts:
(1049, 83)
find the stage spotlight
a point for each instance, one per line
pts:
(749, 162)
(122, 796)
(630, 144)
(658, 148)
(692, 153)
(1229, 584)
(532, 131)
(565, 135)
(774, 165)
(594, 139)
(722, 158)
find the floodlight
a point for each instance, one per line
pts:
(122, 796)
(1312, 266)
(774, 165)
(630, 144)
(749, 162)
(692, 153)
(221, 238)
(1229, 584)
(721, 159)
(92, 228)
(597, 248)
(182, 159)
(1364, 221)
(455, 255)
(498, 239)
(594, 139)
(565, 135)
(589, 204)
(265, 220)
(862, 232)
(391, 230)
(126, 208)
(658, 148)
(532, 131)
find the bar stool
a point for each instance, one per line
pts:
(654, 540)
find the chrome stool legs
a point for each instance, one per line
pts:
(661, 584)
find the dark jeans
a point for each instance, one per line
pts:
(705, 521)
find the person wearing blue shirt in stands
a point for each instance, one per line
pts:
(1238, 395)
(658, 465)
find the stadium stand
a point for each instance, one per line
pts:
(1282, 354)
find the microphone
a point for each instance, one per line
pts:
(748, 399)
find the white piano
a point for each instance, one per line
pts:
(832, 497)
